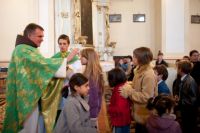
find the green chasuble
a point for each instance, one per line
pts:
(29, 74)
(64, 55)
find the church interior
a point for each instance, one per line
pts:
(114, 28)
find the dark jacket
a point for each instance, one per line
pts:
(188, 92)
(175, 87)
(164, 124)
(163, 62)
(195, 73)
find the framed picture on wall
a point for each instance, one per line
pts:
(139, 18)
(115, 18)
(195, 19)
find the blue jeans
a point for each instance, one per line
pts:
(122, 129)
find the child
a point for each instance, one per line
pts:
(119, 108)
(72, 59)
(160, 59)
(144, 86)
(162, 121)
(63, 42)
(175, 92)
(74, 117)
(188, 92)
(131, 67)
(93, 72)
(162, 74)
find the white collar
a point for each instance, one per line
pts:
(160, 81)
(183, 77)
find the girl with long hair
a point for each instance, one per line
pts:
(93, 72)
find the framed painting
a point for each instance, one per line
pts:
(139, 18)
(115, 18)
(195, 19)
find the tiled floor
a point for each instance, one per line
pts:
(2, 109)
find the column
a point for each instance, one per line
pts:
(63, 20)
(173, 32)
(100, 26)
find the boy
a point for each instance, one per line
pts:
(188, 91)
(162, 75)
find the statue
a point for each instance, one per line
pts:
(82, 40)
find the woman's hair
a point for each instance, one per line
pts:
(143, 55)
(77, 79)
(161, 104)
(93, 70)
(161, 70)
(116, 76)
(64, 37)
(185, 66)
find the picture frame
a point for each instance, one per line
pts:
(139, 18)
(115, 18)
(195, 19)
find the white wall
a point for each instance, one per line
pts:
(158, 24)
(173, 27)
(130, 35)
(63, 20)
(15, 15)
(193, 29)
(190, 33)
(152, 33)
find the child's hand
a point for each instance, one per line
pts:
(126, 90)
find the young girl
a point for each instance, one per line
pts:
(119, 108)
(163, 120)
(143, 87)
(74, 117)
(93, 72)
